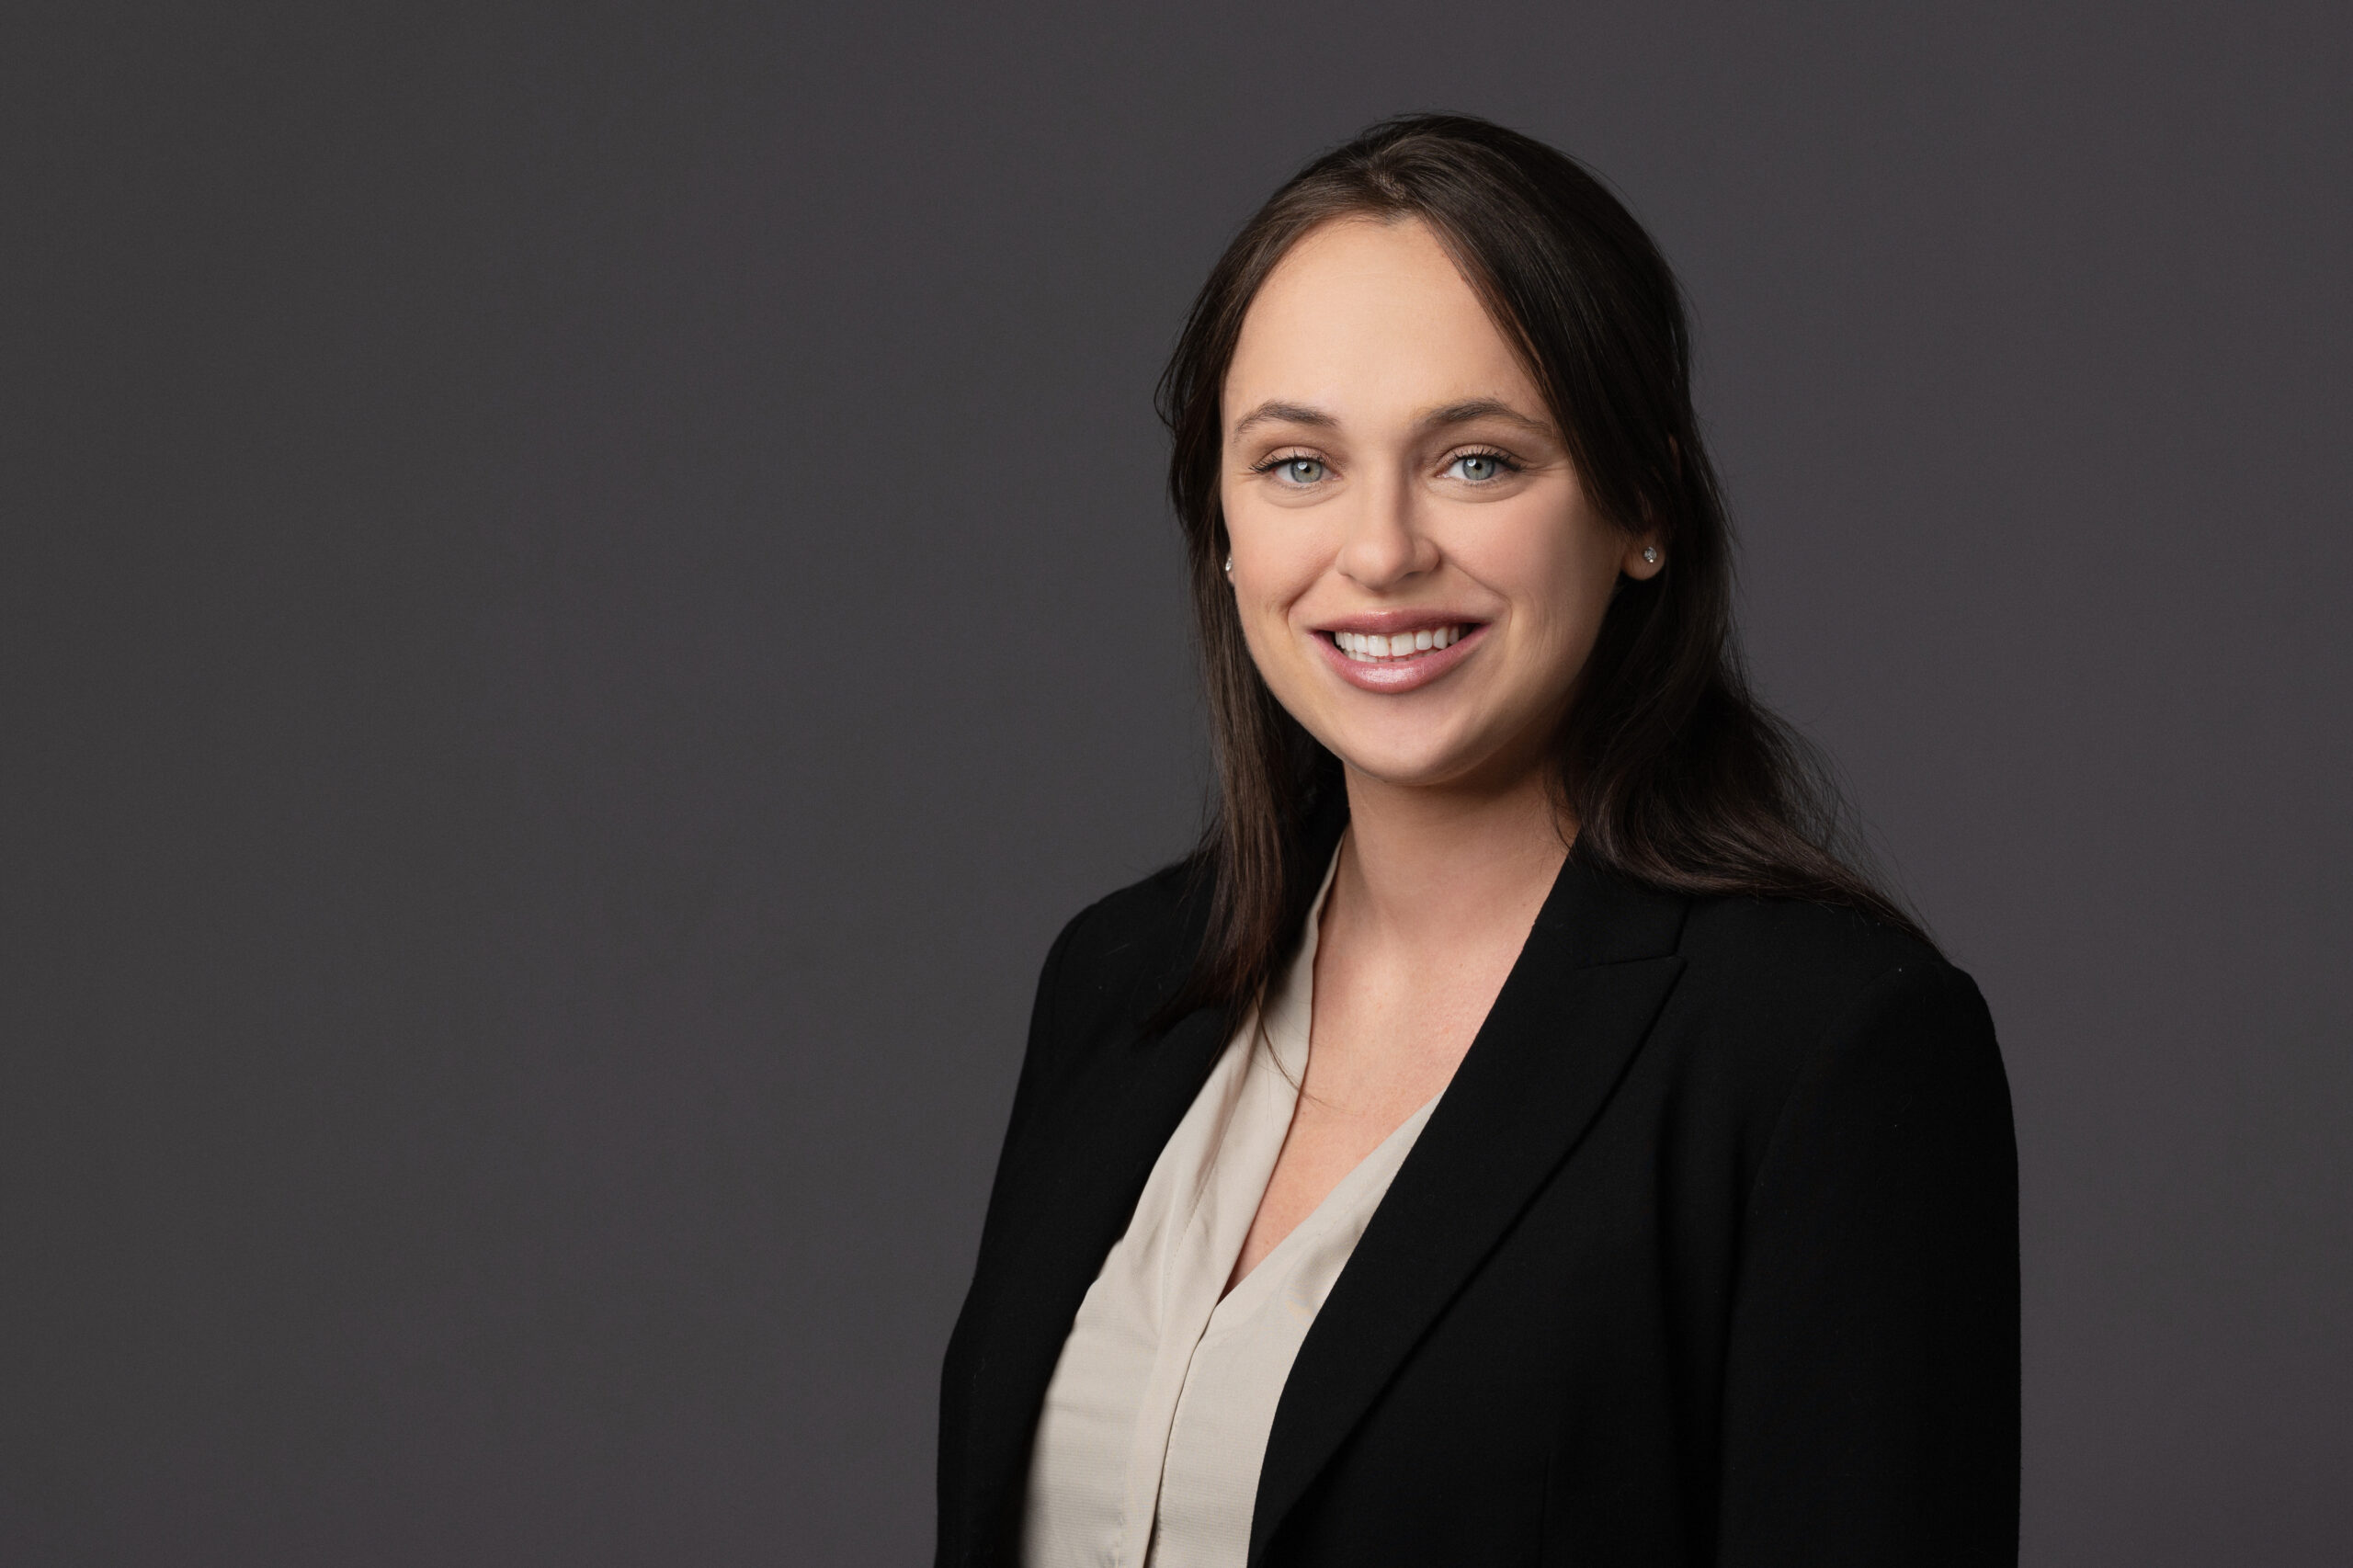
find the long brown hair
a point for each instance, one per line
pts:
(1673, 772)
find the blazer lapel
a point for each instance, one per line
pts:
(1104, 1145)
(1575, 1008)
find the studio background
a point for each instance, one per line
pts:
(585, 588)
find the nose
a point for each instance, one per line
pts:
(1385, 547)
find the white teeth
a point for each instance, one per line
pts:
(1365, 647)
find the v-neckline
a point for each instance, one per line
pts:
(1294, 1003)
(1316, 1221)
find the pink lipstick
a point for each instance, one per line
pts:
(1398, 651)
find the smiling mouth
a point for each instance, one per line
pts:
(1372, 648)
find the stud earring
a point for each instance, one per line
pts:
(1229, 566)
(1650, 554)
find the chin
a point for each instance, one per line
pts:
(1425, 754)
(1408, 766)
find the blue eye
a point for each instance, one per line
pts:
(1299, 470)
(1479, 467)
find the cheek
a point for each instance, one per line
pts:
(1548, 558)
(1269, 572)
(1276, 557)
(1557, 571)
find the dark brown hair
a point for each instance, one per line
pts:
(1673, 772)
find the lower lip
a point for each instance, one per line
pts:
(1392, 676)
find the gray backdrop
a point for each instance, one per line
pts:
(585, 588)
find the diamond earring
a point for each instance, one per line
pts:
(1229, 566)
(1650, 554)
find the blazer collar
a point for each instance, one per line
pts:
(1596, 968)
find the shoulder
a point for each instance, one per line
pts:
(1118, 956)
(1786, 947)
(1774, 990)
(1868, 1098)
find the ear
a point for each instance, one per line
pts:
(1644, 557)
(1647, 552)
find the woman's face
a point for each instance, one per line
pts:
(1419, 574)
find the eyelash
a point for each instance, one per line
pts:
(1504, 460)
(1268, 465)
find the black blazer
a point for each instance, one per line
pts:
(1708, 1256)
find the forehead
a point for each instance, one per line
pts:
(1371, 320)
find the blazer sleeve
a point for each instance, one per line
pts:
(1031, 1089)
(957, 1364)
(1871, 1381)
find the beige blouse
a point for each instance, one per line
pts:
(1148, 1447)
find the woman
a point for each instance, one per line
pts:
(1512, 1136)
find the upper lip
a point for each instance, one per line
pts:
(1390, 622)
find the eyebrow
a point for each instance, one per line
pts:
(1283, 414)
(1464, 413)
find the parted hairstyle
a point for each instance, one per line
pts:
(1671, 771)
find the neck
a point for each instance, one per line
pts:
(1434, 867)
